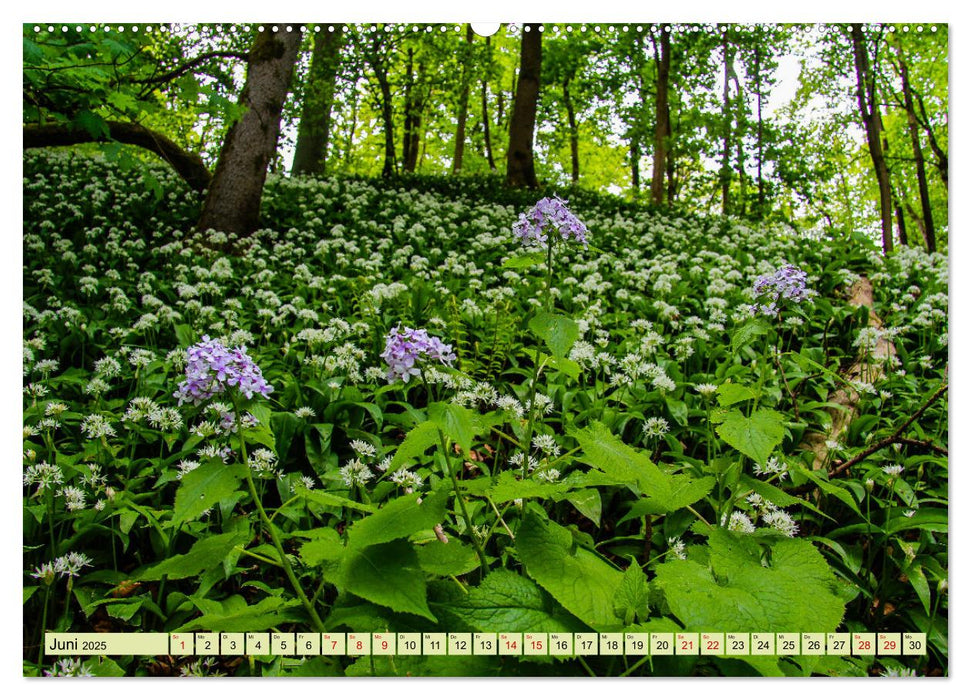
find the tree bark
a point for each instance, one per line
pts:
(189, 166)
(759, 134)
(725, 173)
(487, 135)
(635, 164)
(233, 202)
(571, 119)
(662, 126)
(925, 199)
(406, 141)
(870, 114)
(520, 168)
(313, 134)
(463, 114)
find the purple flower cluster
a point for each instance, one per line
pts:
(786, 283)
(403, 349)
(552, 212)
(212, 368)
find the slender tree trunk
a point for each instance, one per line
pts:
(416, 108)
(939, 153)
(662, 126)
(463, 103)
(233, 202)
(313, 134)
(571, 119)
(739, 146)
(635, 164)
(352, 127)
(520, 168)
(925, 199)
(870, 114)
(485, 110)
(406, 142)
(725, 172)
(759, 135)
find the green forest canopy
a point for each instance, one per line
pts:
(695, 116)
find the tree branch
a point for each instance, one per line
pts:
(189, 166)
(186, 67)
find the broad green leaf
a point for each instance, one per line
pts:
(507, 601)
(509, 488)
(239, 617)
(207, 553)
(104, 667)
(327, 546)
(452, 559)
(92, 123)
(562, 364)
(755, 436)
(418, 439)
(388, 574)
(557, 331)
(747, 333)
(746, 589)
(830, 488)
(624, 464)
(518, 262)
(204, 487)
(776, 495)
(458, 422)
(399, 518)
(730, 394)
(588, 503)
(630, 600)
(578, 579)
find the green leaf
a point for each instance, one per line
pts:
(746, 588)
(557, 331)
(388, 574)
(28, 592)
(748, 332)
(331, 500)
(458, 422)
(452, 559)
(562, 364)
(578, 579)
(588, 503)
(234, 615)
(755, 436)
(105, 667)
(205, 486)
(401, 517)
(92, 123)
(207, 553)
(665, 492)
(730, 394)
(630, 600)
(518, 262)
(509, 488)
(325, 546)
(418, 439)
(507, 601)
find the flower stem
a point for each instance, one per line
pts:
(461, 501)
(294, 582)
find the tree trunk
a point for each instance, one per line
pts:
(313, 134)
(635, 164)
(932, 140)
(351, 128)
(662, 126)
(725, 172)
(925, 199)
(387, 119)
(571, 119)
(485, 110)
(520, 169)
(463, 114)
(870, 114)
(406, 141)
(233, 202)
(189, 166)
(759, 135)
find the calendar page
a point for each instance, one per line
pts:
(531, 349)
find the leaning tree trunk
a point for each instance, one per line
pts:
(520, 168)
(870, 113)
(233, 202)
(313, 134)
(661, 126)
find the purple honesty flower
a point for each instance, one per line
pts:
(786, 283)
(212, 368)
(403, 349)
(552, 212)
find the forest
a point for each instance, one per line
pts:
(538, 330)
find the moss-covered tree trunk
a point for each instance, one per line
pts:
(313, 135)
(233, 202)
(520, 169)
